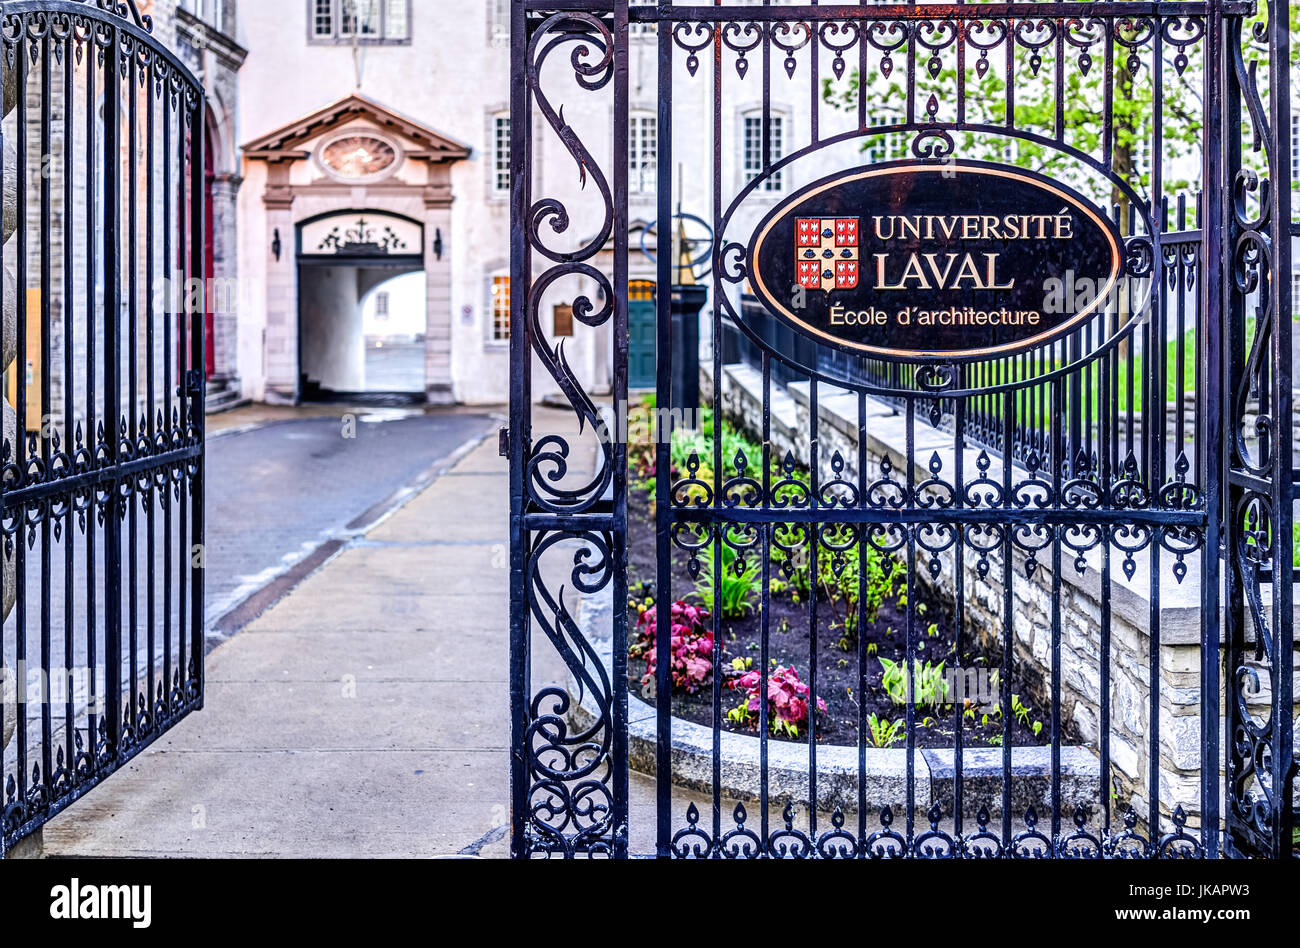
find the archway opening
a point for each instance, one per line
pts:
(362, 331)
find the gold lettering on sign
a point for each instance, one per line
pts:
(932, 271)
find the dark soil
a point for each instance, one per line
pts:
(790, 644)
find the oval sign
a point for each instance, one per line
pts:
(955, 261)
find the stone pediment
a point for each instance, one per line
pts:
(293, 142)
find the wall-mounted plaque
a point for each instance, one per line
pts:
(563, 316)
(916, 261)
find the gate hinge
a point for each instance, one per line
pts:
(194, 383)
(503, 442)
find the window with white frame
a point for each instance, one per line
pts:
(753, 150)
(322, 18)
(498, 14)
(357, 21)
(885, 147)
(642, 151)
(501, 155)
(382, 305)
(1295, 293)
(1295, 147)
(211, 12)
(499, 303)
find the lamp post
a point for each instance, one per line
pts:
(687, 301)
(688, 297)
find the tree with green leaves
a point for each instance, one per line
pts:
(1035, 107)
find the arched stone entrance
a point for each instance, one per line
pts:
(381, 180)
(345, 261)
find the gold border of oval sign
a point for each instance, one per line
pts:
(957, 254)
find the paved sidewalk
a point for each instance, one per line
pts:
(364, 715)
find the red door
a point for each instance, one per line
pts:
(209, 250)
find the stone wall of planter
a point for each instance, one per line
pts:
(1080, 596)
(884, 771)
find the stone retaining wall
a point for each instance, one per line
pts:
(884, 771)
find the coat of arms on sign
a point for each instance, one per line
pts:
(826, 252)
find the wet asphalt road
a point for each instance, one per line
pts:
(276, 493)
(280, 499)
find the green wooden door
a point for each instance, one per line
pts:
(640, 334)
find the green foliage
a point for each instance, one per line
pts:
(700, 443)
(842, 574)
(1022, 712)
(739, 587)
(929, 687)
(884, 733)
(1083, 103)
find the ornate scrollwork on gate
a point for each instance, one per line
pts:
(570, 803)
(1259, 669)
(1022, 478)
(109, 484)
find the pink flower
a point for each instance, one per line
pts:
(787, 699)
(690, 644)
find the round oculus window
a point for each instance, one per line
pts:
(358, 156)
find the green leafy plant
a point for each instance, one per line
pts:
(1022, 712)
(738, 583)
(852, 579)
(883, 732)
(929, 686)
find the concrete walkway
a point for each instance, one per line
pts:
(364, 715)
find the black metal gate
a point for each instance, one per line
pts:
(1050, 523)
(102, 491)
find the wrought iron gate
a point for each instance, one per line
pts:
(1066, 508)
(102, 491)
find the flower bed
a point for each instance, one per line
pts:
(850, 674)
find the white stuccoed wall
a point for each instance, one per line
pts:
(453, 78)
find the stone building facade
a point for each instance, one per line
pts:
(202, 32)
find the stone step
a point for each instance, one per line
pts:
(223, 399)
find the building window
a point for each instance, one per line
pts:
(498, 12)
(642, 150)
(501, 155)
(500, 304)
(1295, 147)
(753, 150)
(358, 21)
(211, 12)
(1295, 293)
(885, 147)
(397, 21)
(322, 22)
(381, 306)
